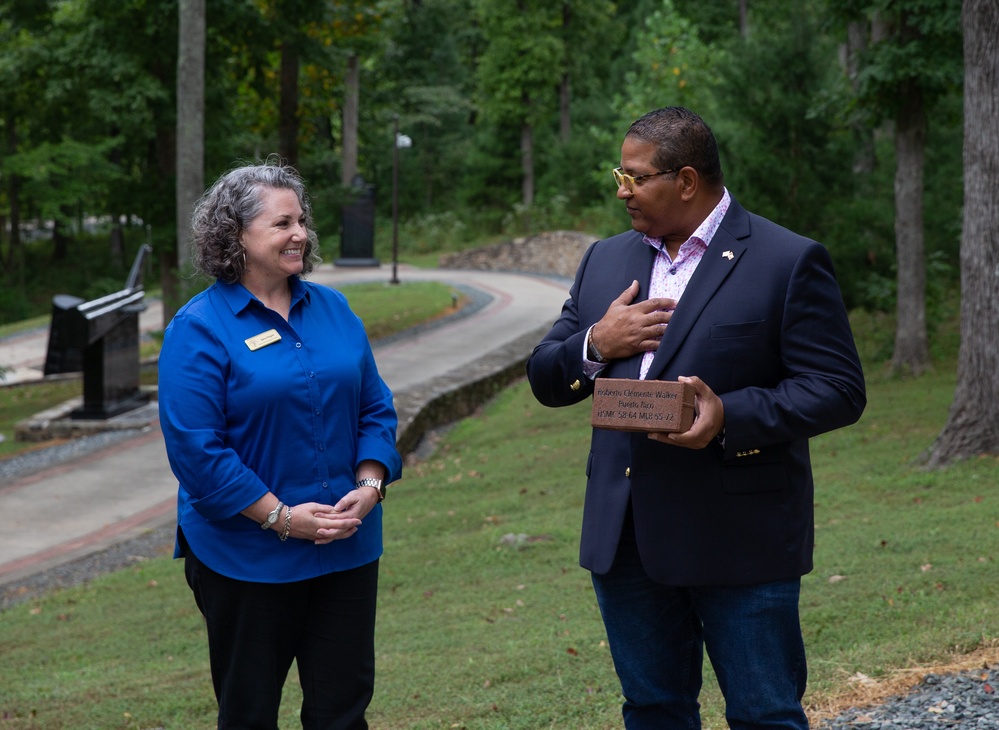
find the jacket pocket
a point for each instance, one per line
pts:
(738, 329)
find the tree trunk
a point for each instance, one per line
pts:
(972, 427)
(60, 239)
(527, 164)
(565, 88)
(857, 33)
(116, 241)
(14, 259)
(351, 105)
(565, 117)
(169, 285)
(744, 19)
(912, 353)
(162, 162)
(190, 148)
(288, 121)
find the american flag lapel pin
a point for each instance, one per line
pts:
(729, 255)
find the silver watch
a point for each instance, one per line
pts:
(374, 483)
(272, 516)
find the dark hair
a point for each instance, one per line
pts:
(226, 209)
(682, 139)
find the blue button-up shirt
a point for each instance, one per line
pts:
(293, 414)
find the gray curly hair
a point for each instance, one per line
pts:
(226, 209)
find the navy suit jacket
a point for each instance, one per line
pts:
(762, 322)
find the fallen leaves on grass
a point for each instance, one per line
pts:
(517, 540)
(861, 679)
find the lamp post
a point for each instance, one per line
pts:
(400, 141)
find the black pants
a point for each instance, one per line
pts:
(256, 630)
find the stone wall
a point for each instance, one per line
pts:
(554, 253)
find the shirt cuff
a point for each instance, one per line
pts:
(591, 368)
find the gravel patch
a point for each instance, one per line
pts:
(963, 701)
(29, 462)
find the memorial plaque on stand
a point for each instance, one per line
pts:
(642, 405)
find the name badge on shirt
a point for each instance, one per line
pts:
(262, 340)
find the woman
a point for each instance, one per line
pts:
(282, 436)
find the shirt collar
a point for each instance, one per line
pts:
(708, 228)
(238, 297)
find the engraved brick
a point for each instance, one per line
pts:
(663, 406)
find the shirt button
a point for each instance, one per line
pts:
(322, 447)
(298, 345)
(325, 485)
(317, 411)
(627, 472)
(312, 375)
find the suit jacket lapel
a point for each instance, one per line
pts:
(720, 259)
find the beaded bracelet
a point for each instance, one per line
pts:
(287, 525)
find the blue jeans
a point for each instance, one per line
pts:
(657, 635)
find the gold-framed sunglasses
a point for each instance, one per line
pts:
(629, 181)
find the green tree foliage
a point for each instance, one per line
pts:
(65, 177)
(518, 71)
(91, 109)
(592, 37)
(782, 159)
(516, 109)
(521, 61)
(672, 66)
(919, 42)
(425, 75)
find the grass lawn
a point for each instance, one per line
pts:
(387, 309)
(487, 622)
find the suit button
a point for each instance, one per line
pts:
(627, 472)
(576, 385)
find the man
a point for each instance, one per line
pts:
(699, 539)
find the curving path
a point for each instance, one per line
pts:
(79, 501)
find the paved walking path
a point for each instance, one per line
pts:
(68, 509)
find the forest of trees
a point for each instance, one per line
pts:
(841, 119)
